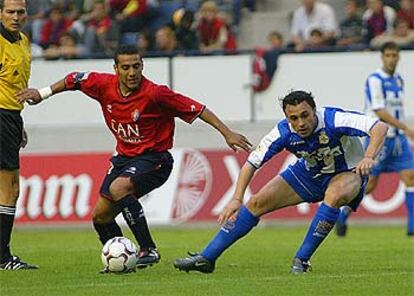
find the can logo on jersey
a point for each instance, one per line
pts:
(323, 138)
(135, 115)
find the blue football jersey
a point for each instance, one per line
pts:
(333, 147)
(383, 91)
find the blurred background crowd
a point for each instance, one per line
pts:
(94, 28)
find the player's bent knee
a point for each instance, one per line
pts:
(120, 188)
(335, 199)
(257, 206)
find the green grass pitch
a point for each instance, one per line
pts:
(370, 261)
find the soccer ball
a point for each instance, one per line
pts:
(119, 254)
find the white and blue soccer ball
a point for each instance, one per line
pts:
(119, 254)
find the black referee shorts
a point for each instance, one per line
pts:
(11, 133)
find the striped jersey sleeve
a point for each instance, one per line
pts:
(353, 123)
(270, 145)
(375, 94)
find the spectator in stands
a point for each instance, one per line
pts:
(145, 42)
(54, 27)
(316, 40)
(311, 15)
(406, 12)
(275, 40)
(214, 33)
(102, 34)
(66, 49)
(377, 19)
(265, 61)
(402, 36)
(86, 5)
(351, 27)
(130, 14)
(184, 31)
(36, 11)
(165, 40)
(276, 46)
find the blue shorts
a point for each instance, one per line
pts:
(395, 156)
(312, 188)
(147, 172)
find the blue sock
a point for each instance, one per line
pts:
(230, 233)
(320, 227)
(409, 203)
(343, 216)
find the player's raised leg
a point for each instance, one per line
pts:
(342, 189)
(275, 195)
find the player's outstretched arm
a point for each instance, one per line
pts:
(385, 116)
(377, 137)
(231, 209)
(234, 140)
(34, 96)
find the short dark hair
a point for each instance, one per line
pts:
(391, 45)
(296, 97)
(126, 49)
(276, 34)
(2, 4)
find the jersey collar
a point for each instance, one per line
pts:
(385, 74)
(8, 36)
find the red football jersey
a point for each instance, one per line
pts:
(142, 121)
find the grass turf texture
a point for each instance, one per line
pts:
(370, 261)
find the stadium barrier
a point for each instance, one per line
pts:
(63, 188)
(224, 84)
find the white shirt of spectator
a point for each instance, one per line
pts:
(322, 18)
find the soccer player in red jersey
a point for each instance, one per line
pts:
(140, 114)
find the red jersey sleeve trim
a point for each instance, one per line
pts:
(197, 115)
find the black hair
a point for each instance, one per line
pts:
(2, 4)
(390, 46)
(126, 49)
(187, 18)
(296, 97)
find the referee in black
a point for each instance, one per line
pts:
(15, 61)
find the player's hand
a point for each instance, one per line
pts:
(237, 141)
(230, 211)
(364, 167)
(29, 95)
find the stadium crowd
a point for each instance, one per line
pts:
(95, 28)
(72, 29)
